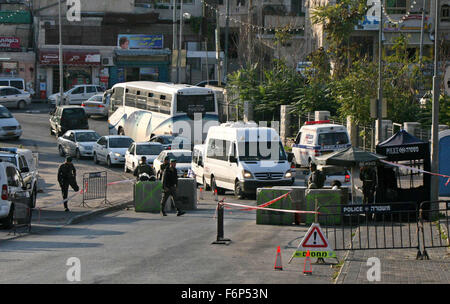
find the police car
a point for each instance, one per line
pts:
(317, 138)
(27, 164)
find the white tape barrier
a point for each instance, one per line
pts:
(269, 209)
(417, 170)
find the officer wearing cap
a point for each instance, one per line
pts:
(163, 167)
(143, 168)
(169, 183)
(316, 179)
(67, 176)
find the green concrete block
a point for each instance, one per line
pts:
(147, 196)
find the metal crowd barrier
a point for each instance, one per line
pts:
(95, 187)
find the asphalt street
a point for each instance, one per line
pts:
(130, 247)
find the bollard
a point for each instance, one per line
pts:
(216, 197)
(220, 240)
(201, 193)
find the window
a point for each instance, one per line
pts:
(165, 104)
(445, 13)
(17, 84)
(152, 103)
(117, 98)
(130, 98)
(396, 6)
(4, 113)
(100, 89)
(12, 91)
(191, 104)
(131, 149)
(218, 149)
(141, 100)
(102, 141)
(71, 137)
(79, 90)
(12, 177)
(149, 149)
(297, 139)
(87, 136)
(255, 151)
(74, 113)
(21, 162)
(4, 83)
(91, 89)
(9, 159)
(120, 142)
(338, 138)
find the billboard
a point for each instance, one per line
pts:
(9, 43)
(126, 42)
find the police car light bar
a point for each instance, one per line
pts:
(317, 122)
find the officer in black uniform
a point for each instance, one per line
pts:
(143, 167)
(164, 166)
(170, 182)
(368, 177)
(67, 176)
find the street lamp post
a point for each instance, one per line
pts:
(180, 44)
(434, 193)
(380, 78)
(61, 88)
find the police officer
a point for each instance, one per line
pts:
(316, 178)
(170, 182)
(67, 176)
(163, 167)
(143, 167)
(368, 177)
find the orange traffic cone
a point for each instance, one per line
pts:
(307, 261)
(278, 264)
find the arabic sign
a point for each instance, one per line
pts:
(140, 41)
(411, 23)
(9, 43)
(70, 58)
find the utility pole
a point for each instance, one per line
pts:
(227, 32)
(219, 74)
(434, 193)
(181, 42)
(174, 33)
(61, 88)
(421, 36)
(250, 42)
(380, 78)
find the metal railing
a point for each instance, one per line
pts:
(95, 187)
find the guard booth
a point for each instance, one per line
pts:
(396, 184)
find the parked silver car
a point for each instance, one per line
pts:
(13, 97)
(77, 94)
(78, 143)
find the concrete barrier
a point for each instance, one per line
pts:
(274, 217)
(328, 200)
(147, 196)
(186, 194)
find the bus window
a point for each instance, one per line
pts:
(116, 98)
(130, 98)
(195, 103)
(165, 103)
(141, 100)
(152, 103)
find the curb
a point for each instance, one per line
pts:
(91, 214)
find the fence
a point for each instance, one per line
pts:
(95, 187)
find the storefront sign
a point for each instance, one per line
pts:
(412, 23)
(402, 150)
(9, 43)
(140, 42)
(70, 58)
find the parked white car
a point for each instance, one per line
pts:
(13, 97)
(77, 94)
(96, 105)
(198, 154)
(9, 126)
(137, 150)
(183, 157)
(27, 163)
(111, 149)
(18, 83)
(77, 143)
(15, 193)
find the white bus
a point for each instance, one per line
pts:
(143, 109)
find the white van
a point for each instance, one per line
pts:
(198, 155)
(317, 138)
(18, 83)
(243, 157)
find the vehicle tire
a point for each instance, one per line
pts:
(77, 154)
(21, 104)
(205, 185)
(238, 190)
(61, 151)
(95, 158)
(33, 198)
(108, 162)
(7, 223)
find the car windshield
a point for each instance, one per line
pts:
(120, 142)
(255, 151)
(336, 138)
(181, 157)
(86, 136)
(4, 113)
(149, 149)
(9, 159)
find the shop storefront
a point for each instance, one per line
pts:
(80, 67)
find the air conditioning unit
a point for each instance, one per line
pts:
(107, 61)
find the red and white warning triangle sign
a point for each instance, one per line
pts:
(316, 242)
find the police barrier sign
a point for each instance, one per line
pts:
(315, 254)
(316, 243)
(358, 209)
